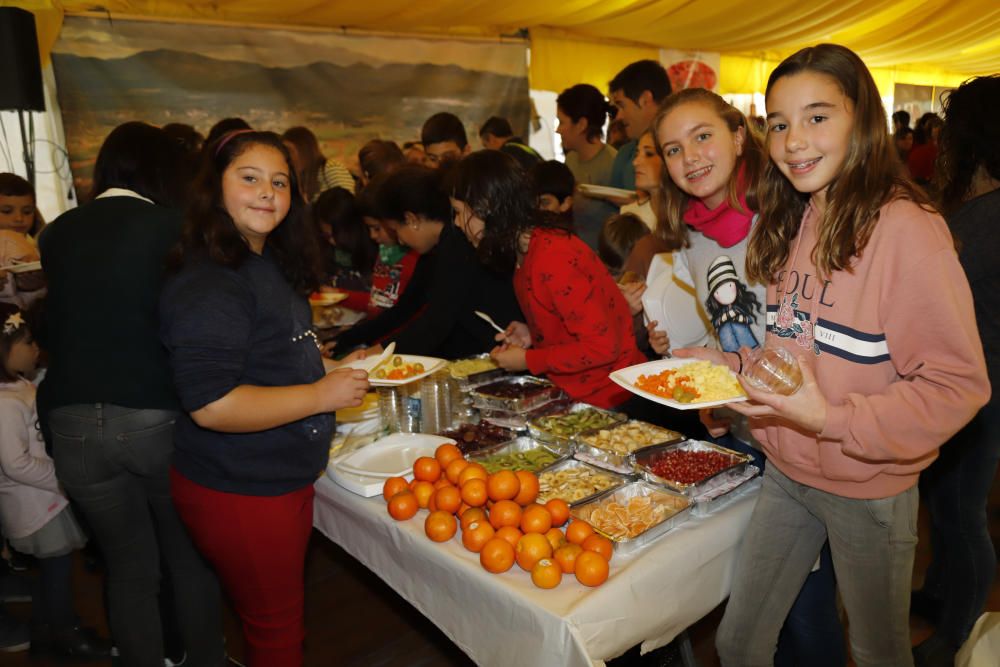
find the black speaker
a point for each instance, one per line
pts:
(21, 73)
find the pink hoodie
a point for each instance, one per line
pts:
(894, 347)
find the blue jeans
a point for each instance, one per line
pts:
(872, 543)
(114, 463)
(956, 487)
(812, 634)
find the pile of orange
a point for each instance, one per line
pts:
(499, 519)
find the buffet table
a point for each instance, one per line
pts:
(650, 597)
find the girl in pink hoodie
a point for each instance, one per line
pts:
(864, 287)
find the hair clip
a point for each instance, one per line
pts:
(226, 138)
(13, 323)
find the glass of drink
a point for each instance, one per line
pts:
(773, 369)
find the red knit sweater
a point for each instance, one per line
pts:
(581, 329)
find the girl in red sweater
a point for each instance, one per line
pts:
(578, 327)
(864, 287)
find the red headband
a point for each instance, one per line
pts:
(226, 137)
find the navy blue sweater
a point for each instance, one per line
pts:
(225, 328)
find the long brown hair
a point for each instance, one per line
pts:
(746, 172)
(870, 177)
(311, 159)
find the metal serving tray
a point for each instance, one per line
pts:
(569, 464)
(473, 380)
(484, 399)
(502, 436)
(539, 431)
(610, 459)
(519, 446)
(678, 511)
(644, 460)
(518, 421)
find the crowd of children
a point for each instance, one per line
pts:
(187, 404)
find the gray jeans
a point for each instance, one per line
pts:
(872, 543)
(114, 463)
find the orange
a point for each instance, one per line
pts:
(546, 573)
(474, 492)
(392, 486)
(530, 549)
(566, 556)
(599, 544)
(496, 556)
(591, 568)
(476, 535)
(447, 453)
(454, 468)
(442, 481)
(427, 469)
(403, 506)
(472, 471)
(559, 509)
(511, 534)
(448, 498)
(555, 538)
(471, 514)
(440, 526)
(529, 488)
(463, 506)
(423, 490)
(505, 513)
(535, 519)
(503, 485)
(577, 531)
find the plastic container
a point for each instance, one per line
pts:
(773, 369)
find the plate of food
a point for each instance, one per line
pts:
(326, 298)
(604, 191)
(23, 267)
(400, 369)
(684, 384)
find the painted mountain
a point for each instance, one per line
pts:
(345, 105)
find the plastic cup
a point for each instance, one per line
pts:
(774, 370)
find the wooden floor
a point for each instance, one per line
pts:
(356, 620)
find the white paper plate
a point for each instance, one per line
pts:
(327, 299)
(626, 378)
(392, 456)
(431, 364)
(604, 191)
(23, 267)
(369, 364)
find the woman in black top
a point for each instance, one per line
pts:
(436, 318)
(108, 399)
(258, 402)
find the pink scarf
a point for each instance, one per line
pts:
(723, 224)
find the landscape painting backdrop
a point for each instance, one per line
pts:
(346, 89)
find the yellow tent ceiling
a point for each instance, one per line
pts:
(917, 41)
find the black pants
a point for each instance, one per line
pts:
(114, 463)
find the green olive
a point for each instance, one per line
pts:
(397, 361)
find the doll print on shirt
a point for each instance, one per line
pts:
(732, 307)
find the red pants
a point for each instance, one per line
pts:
(257, 545)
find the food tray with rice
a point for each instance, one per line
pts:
(473, 372)
(563, 426)
(520, 454)
(692, 467)
(576, 482)
(684, 384)
(518, 394)
(612, 447)
(472, 438)
(634, 515)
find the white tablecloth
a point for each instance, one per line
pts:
(649, 598)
